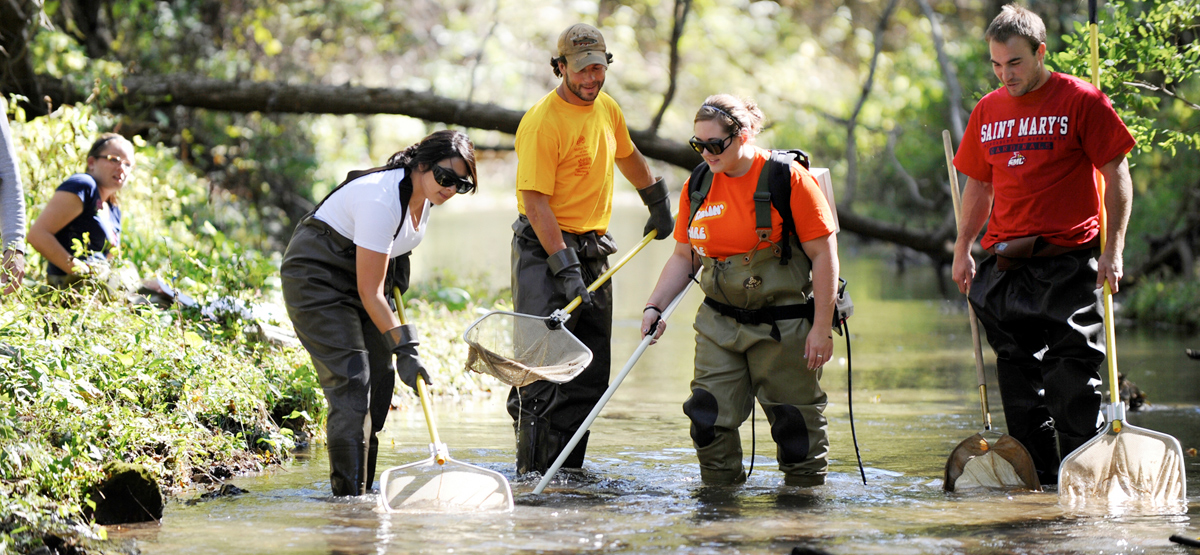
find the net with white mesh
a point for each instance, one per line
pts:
(1134, 464)
(519, 349)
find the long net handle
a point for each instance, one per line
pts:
(608, 393)
(422, 391)
(1110, 335)
(976, 344)
(612, 270)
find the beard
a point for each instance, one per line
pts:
(586, 96)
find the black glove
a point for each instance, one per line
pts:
(402, 342)
(565, 266)
(658, 201)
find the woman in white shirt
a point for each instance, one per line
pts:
(338, 272)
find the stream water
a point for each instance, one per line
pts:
(914, 399)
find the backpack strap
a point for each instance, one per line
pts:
(698, 186)
(779, 185)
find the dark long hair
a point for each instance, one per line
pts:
(438, 146)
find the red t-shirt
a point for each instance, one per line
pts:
(724, 225)
(1038, 151)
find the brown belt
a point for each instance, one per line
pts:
(1011, 254)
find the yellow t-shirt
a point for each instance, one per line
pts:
(567, 152)
(724, 225)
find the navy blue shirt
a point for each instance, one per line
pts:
(97, 225)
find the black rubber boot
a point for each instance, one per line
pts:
(345, 465)
(538, 446)
(530, 434)
(575, 459)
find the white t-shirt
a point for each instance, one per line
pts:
(367, 211)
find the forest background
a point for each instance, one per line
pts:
(245, 112)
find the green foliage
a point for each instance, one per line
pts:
(1149, 62)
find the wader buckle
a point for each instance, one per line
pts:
(764, 236)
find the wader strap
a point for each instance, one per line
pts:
(406, 190)
(765, 315)
(762, 214)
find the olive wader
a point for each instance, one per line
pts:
(546, 414)
(738, 360)
(350, 354)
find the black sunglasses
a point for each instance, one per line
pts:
(446, 177)
(715, 146)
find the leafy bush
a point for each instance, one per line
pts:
(196, 399)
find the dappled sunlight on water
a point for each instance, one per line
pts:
(914, 399)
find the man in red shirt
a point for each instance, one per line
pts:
(1030, 153)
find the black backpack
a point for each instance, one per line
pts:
(774, 189)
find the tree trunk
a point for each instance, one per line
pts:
(18, 23)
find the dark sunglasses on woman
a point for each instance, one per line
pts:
(715, 146)
(446, 177)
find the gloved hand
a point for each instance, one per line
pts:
(402, 341)
(565, 266)
(656, 198)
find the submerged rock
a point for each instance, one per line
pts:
(226, 490)
(129, 494)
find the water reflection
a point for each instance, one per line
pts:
(914, 400)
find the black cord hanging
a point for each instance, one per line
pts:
(850, 399)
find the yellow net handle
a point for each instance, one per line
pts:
(606, 275)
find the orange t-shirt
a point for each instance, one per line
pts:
(724, 225)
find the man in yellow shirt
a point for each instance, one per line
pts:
(567, 145)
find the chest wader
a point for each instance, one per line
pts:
(1044, 322)
(546, 415)
(350, 355)
(750, 336)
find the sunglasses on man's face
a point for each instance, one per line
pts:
(715, 146)
(446, 177)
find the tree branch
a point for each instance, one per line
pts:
(851, 143)
(914, 189)
(681, 12)
(954, 92)
(145, 91)
(1162, 89)
(478, 55)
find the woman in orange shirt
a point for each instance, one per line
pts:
(755, 332)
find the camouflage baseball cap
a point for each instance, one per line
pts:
(582, 45)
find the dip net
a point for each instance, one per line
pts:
(519, 349)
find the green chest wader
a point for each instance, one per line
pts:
(750, 340)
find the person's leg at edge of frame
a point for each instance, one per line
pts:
(792, 399)
(720, 399)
